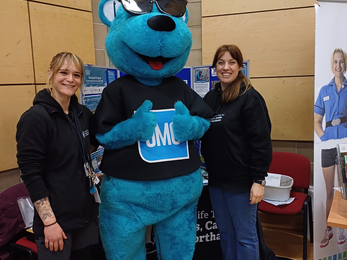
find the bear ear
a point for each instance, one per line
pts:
(108, 10)
(185, 17)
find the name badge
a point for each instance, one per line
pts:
(326, 98)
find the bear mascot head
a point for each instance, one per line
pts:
(149, 40)
(147, 122)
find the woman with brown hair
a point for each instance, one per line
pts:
(237, 150)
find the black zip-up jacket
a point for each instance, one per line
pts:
(51, 162)
(237, 147)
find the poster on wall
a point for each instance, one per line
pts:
(201, 79)
(330, 124)
(95, 80)
(185, 75)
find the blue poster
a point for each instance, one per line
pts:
(121, 74)
(94, 80)
(111, 75)
(92, 101)
(185, 75)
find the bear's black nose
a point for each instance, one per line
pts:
(161, 23)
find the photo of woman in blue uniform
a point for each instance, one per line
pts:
(331, 103)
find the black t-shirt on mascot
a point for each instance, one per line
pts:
(120, 99)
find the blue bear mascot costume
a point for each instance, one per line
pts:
(147, 121)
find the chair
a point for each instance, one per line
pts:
(12, 228)
(298, 167)
(23, 247)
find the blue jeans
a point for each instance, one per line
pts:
(236, 221)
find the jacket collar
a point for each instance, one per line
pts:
(45, 99)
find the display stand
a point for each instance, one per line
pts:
(338, 212)
(207, 236)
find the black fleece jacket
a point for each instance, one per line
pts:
(237, 147)
(51, 162)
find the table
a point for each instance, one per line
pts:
(207, 234)
(338, 212)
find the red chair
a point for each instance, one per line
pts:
(12, 228)
(23, 247)
(298, 167)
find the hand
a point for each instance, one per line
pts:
(54, 237)
(144, 121)
(140, 127)
(257, 193)
(187, 127)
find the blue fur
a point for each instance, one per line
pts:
(138, 128)
(187, 127)
(129, 204)
(102, 16)
(169, 205)
(122, 46)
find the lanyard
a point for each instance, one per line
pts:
(78, 136)
(91, 176)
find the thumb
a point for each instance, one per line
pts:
(64, 236)
(181, 109)
(145, 107)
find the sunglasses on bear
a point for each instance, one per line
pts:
(172, 7)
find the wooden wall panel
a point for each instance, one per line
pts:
(222, 7)
(14, 100)
(278, 43)
(56, 29)
(77, 4)
(290, 102)
(16, 65)
(40, 87)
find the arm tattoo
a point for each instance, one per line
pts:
(40, 202)
(44, 209)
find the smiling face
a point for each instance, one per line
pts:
(338, 64)
(227, 69)
(66, 81)
(149, 53)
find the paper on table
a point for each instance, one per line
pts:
(278, 203)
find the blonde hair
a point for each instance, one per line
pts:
(338, 50)
(58, 61)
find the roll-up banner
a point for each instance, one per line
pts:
(330, 124)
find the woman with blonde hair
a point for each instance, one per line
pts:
(54, 143)
(331, 103)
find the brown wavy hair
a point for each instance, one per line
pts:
(232, 91)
